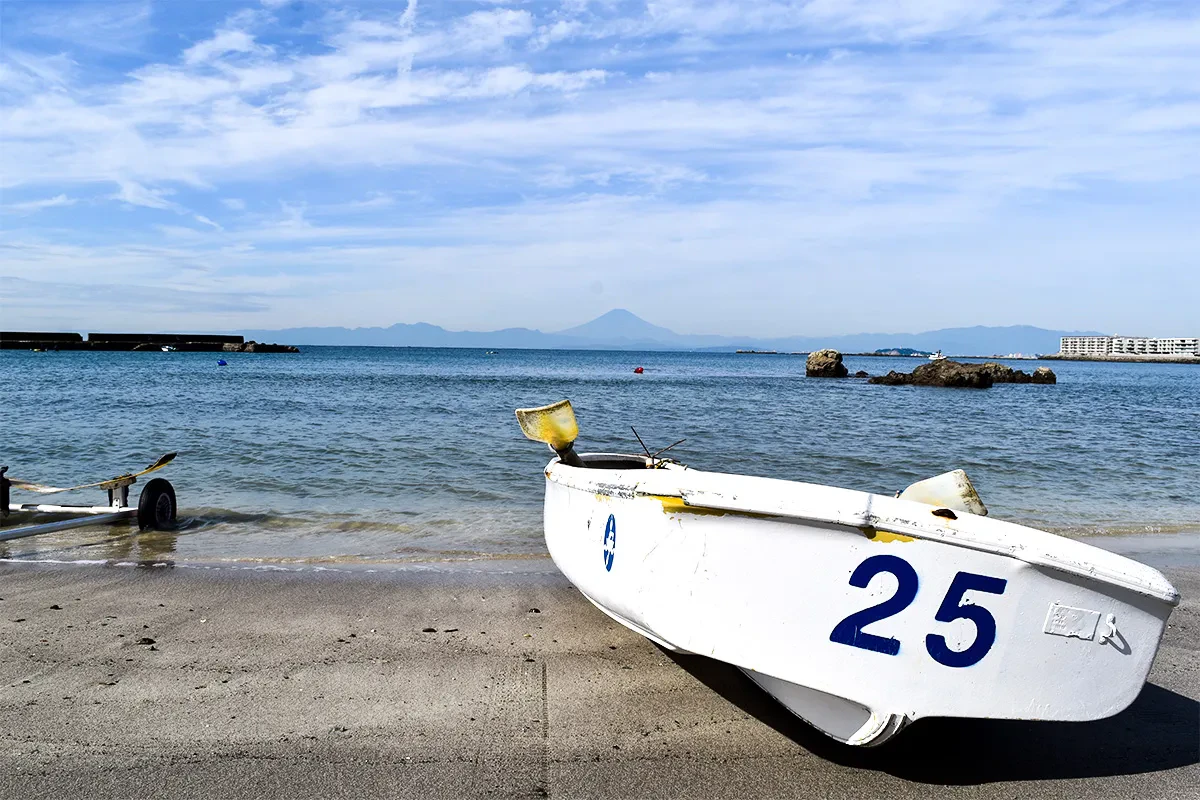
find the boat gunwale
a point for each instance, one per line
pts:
(985, 534)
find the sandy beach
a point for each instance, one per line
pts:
(122, 682)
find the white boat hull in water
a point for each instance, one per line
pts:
(859, 612)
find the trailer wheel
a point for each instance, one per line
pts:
(156, 506)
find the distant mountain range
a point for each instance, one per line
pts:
(622, 330)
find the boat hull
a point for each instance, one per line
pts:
(863, 626)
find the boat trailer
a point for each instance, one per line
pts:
(155, 510)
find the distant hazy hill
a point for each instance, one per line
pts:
(622, 330)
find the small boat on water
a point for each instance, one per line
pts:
(937, 356)
(166, 348)
(859, 612)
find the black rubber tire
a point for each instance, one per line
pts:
(156, 506)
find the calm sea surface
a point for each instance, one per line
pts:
(382, 455)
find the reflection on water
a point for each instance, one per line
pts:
(145, 548)
(376, 454)
(110, 543)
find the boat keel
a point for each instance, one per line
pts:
(841, 719)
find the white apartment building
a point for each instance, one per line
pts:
(1128, 346)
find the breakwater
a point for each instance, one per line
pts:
(130, 342)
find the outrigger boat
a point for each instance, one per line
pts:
(156, 506)
(859, 612)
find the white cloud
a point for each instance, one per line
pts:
(225, 42)
(137, 195)
(486, 30)
(557, 31)
(234, 203)
(32, 206)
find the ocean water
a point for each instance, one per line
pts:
(370, 455)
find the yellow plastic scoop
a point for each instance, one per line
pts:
(556, 426)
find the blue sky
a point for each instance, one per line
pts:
(762, 168)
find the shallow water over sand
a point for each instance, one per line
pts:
(362, 455)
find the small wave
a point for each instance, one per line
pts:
(205, 518)
(1080, 531)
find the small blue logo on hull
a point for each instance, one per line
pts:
(610, 542)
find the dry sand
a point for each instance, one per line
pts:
(119, 682)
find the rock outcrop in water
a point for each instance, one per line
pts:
(825, 364)
(1044, 375)
(940, 373)
(966, 376)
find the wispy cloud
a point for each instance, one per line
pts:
(31, 206)
(104, 27)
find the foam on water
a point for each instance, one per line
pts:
(379, 455)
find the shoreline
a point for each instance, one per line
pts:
(160, 682)
(1157, 548)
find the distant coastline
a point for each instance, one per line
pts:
(620, 329)
(1126, 358)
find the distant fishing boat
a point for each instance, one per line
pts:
(937, 356)
(858, 612)
(166, 348)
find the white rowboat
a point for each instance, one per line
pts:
(858, 612)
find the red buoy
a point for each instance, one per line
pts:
(638, 370)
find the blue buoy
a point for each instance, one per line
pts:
(221, 362)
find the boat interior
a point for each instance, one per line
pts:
(619, 461)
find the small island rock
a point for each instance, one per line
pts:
(825, 364)
(941, 373)
(970, 376)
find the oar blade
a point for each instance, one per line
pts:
(553, 424)
(111, 483)
(159, 464)
(949, 490)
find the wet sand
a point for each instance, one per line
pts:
(121, 682)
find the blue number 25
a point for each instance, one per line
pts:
(850, 630)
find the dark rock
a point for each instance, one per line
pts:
(893, 378)
(1044, 375)
(825, 364)
(862, 373)
(941, 373)
(1002, 373)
